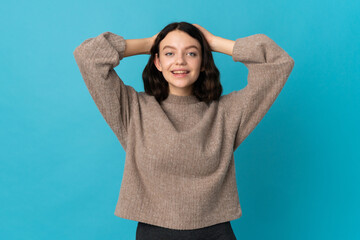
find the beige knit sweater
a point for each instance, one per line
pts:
(179, 167)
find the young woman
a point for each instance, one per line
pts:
(180, 133)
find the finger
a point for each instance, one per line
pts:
(197, 25)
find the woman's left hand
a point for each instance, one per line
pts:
(209, 37)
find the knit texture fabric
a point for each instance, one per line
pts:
(179, 168)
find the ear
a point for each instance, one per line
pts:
(157, 62)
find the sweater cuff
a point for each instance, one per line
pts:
(118, 42)
(247, 49)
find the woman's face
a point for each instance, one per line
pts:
(179, 51)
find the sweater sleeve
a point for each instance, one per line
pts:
(269, 67)
(96, 58)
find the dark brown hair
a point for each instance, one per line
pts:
(206, 88)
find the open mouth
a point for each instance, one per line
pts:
(179, 73)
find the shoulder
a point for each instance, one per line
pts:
(146, 99)
(227, 100)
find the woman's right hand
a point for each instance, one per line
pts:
(154, 37)
(139, 46)
(152, 40)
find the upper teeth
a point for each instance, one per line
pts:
(179, 71)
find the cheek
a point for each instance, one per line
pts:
(165, 64)
(197, 64)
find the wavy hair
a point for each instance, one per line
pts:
(206, 88)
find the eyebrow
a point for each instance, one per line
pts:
(192, 46)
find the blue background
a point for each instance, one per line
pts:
(61, 165)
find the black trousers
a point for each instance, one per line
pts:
(221, 231)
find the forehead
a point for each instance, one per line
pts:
(179, 39)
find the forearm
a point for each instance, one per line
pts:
(137, 46)
(223, 45)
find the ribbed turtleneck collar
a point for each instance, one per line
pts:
(181, 99)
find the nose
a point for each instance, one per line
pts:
(180, 59)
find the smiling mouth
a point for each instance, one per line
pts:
(179, 73)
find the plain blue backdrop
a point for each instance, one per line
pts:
(62, 166)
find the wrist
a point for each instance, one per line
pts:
(214, 43)
(222, 45)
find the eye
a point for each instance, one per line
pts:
(166, 54)
(193, 54)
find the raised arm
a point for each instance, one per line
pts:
(269, 67)
(217, 43)
(138, 46)
(96, 58)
